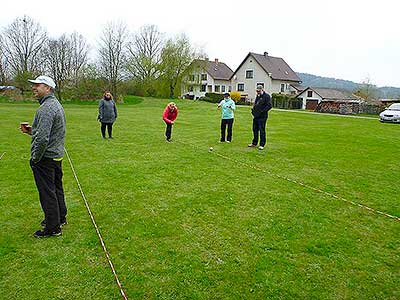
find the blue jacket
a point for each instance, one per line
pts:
(228, 107)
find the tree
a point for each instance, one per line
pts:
(59, 61)
(23, 45)
(145, 54)
(112, 56)
(367, 90)
(4, 70)
(176, 57)
(79, 55)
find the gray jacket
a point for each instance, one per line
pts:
(107, 111)
(48, 130)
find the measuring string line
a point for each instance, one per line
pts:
(96, 228)
(396, 218)
(2, 155)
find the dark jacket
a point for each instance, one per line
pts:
(262, 104)
(107, 111)
(48, 130)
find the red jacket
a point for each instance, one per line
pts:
(170, 116)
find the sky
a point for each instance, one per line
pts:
(355, 40)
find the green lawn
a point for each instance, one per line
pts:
(181, 222)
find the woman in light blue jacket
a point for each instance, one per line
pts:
(107, 114)
(228, 107)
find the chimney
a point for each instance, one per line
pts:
(216, 61)
(266, 54)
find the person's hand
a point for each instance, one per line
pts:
(26, 129)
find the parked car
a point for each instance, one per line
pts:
(391, 114)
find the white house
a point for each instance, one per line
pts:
(262, 69)
(207, 77)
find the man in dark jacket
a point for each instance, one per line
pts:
(262, 104)
(47, 151)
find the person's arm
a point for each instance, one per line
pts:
(41, 136)
(115, 110)
(266, 105)
(165, 116)
(233, 105)
(220, 103)
(101, 108)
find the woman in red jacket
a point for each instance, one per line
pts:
(169, 116)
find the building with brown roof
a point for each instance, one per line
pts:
(262, 69)
(207, 77)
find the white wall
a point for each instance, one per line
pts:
(197, 84)
(303, 95)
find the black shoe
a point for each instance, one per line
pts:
(62, 223)
(45, 233)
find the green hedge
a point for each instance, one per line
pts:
(212, 97)
(286, 101)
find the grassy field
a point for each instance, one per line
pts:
(181, 222)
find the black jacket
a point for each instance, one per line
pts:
(262, 104)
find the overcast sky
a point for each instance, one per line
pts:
(346, 39)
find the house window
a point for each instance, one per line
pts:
(240, 87)
(197, 78)
(230, 88)
(190, 89)
(209, 88)
(282, 87)
(249, 74)
(203, 76)
(203, 88)
(309, 93)
(217, 88)
(191, 78)
(260, 83)
(222, 89)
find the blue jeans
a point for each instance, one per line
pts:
(259, 129)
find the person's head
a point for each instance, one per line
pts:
(171, 106)
(259, 89)
(226, 95)
(42, 86)
(107, 95)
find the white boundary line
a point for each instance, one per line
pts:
(325, 114)
(396, 218)
(2, 155)
(97, 229)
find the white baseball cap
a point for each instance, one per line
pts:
(45, 80)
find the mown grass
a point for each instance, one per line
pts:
(181, 222)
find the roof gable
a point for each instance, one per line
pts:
(331, 94)
(216, 69)
(275, 67)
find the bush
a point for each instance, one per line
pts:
(212, 97)
(285, 101)
(236, 96)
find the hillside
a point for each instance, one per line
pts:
(328, 82)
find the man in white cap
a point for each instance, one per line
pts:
(47, 151)
(262, 104)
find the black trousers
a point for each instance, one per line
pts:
(48, 178)
(168, 131)
(259, 129)
(224, 124)
(109, 129)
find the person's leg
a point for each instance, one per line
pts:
(255, 132)
(223, 129)
(109, 130)
(44, 174)
(60, 191)
(168, 131)
(230, 125)
(103, 130)
(263, 137)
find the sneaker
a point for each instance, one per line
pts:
(228, 141)
(251, 145)
(168, 140)
(44, 233)
(62, 223)
(261, 148)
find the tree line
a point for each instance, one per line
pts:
(144, 62)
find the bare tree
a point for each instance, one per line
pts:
(145, 53)
(112, 53)
(80, 53)
(4, 72)
(23, 43)
(59, 61)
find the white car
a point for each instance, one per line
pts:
(391, 114)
